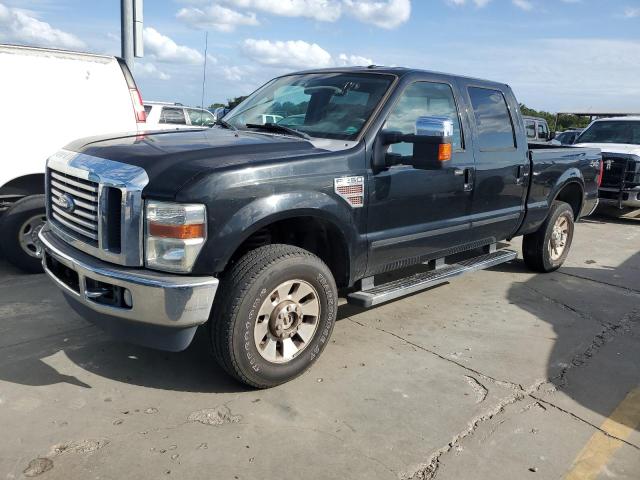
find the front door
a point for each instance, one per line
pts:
(414, 214)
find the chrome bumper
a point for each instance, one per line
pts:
(628, 198)
(156, 299)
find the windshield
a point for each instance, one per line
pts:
(612, 132)
(324, 105)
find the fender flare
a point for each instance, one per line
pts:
(268, 210)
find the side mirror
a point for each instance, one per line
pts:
(432, 145)
(551, 136)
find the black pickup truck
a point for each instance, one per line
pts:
(250, 229)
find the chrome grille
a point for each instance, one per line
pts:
(74, 204)
(95, 205)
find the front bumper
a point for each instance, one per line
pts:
(627, 198)
(141, 306)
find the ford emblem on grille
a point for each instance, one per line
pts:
(66, 203)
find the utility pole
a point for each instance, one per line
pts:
(131, 30)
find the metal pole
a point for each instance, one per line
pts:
(126, 31)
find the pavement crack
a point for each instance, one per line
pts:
(559, 303)
(483, 376)
(580, 419)
(429, 469)
(601, 282)
(606, 335)
(479, 388)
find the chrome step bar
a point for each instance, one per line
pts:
(420, 281)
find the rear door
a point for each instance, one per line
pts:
(501, 163)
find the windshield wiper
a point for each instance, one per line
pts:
(225, 124)
(274, 127)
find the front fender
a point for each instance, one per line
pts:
(224, 239)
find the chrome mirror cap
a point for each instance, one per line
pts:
(434, 126)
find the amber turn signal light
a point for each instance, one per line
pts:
(444, 152)
(181, 232)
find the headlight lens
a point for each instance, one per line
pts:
(175, 234)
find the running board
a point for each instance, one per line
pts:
(421, 281)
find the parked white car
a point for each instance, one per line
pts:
(53, 97)
(174, 116)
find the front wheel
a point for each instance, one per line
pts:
(546, 249)
(273, 315)
(20, 227)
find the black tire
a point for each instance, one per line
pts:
(11, 225)
(535, 246)
(243, 289)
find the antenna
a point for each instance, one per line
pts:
(204, 70)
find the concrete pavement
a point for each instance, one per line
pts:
(499, 374)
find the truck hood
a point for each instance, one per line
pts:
(171, 159)
(613, 147)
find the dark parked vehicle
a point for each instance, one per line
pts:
(568, 137)
(537, 130)
(252, 229)
(619, 140)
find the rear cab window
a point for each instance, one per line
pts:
(494, 125)
(173, 115)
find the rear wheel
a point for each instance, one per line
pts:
(20, 227)
(273, 315)
(546, 249)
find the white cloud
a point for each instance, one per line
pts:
(632, 12)
(382, 13)
(21, 27)
(291, 53)
(149, 70)
(217, 17)
(295, 54)
(477, 3)
(345, 60)
(525, 5)
(322, 10)
(163, 49)
(551, 76)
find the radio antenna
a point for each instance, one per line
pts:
(204, 69)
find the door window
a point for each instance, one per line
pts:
(493, 121)
(419, 100)
(173, 116)
(530, 127)
(543, 131)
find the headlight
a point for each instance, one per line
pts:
(174, 236)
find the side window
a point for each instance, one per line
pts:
(173, 115)
(200, 117)
(419, 100)
(530, 127)
(147, 109)
(543, 131)
(495, 128)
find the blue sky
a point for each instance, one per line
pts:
(557, 55)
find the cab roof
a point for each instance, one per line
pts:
(396, 71)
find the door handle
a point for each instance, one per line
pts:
(521, 174)
(458, 172)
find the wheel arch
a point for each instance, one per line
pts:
(318, 224)
(31, 184)
(571, 192)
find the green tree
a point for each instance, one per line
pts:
(565, 122)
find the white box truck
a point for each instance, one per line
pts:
(49, 98)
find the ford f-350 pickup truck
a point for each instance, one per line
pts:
(251, 229)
